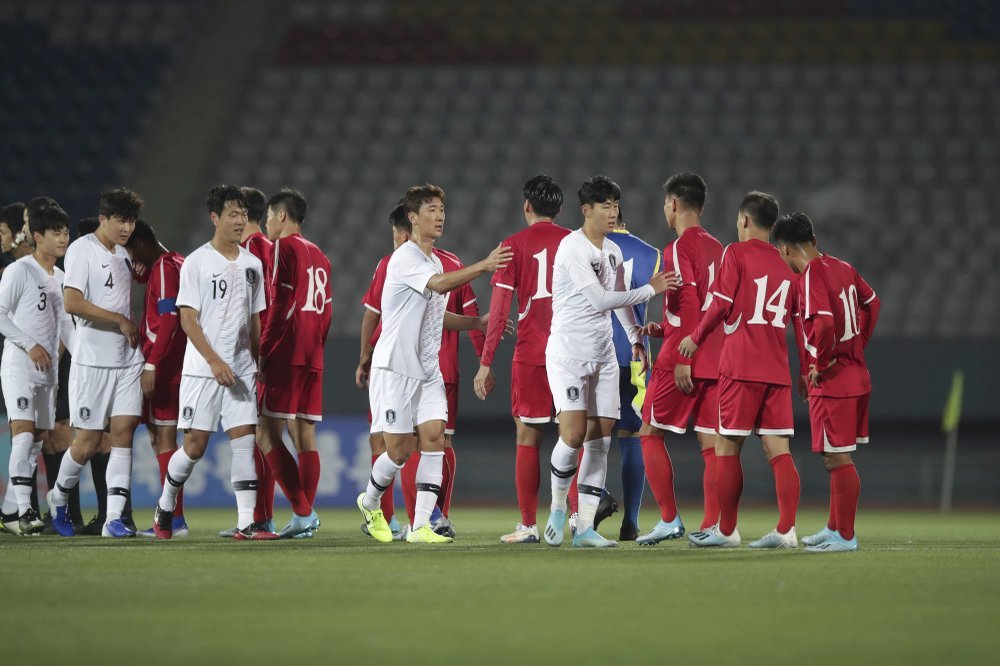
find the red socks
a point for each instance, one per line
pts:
(573, 498)
(448, 480)
(729, 485)
(309, 474)
(659, 474)
(831, 524)
(163, 459)
(787, 488)
(287, 475)
(408, 478)
(709, 490)
(388, 507)
(527, 474)
(847, 489)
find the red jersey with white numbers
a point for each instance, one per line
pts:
(301, 305)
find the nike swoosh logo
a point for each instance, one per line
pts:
(216, 274)
(105, 265)
(41, 286)
(730, 329)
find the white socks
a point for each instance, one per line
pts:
(590, 483)
(430, 473)
(563, 468)
(19, 488)
(179, 468)
(383, 474)
(243, 474)
(119, 479)
(69, 476)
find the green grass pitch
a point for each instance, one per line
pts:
(923, 590)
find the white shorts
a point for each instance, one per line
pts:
(401, 403)
(205, 402)
(27, 401)
(588, 386)
(97, 394)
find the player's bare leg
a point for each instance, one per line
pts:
(286, 473)
(729, 480)
(527, 476)
(845, 488)
(787, 488)
(398, 448)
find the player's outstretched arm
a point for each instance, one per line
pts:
(442, 283)
(220, 369)
(78, 306)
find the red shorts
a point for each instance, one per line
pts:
(451, 393)
(530, 397)
(746, 408)
(164, 407)
(292, 392)
(668, 408)
(838, 424)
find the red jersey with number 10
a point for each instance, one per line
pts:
(753, 297)
(300, 305)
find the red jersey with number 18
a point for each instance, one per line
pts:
(300, 307)
(753, 297)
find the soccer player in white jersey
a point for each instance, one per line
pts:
(107, 361)
(220, 299)
(33, 321)
(588, 282)
(406, 388)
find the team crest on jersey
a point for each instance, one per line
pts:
(390, 416)
(85, 413)
(188, 413)
(596, 265)
(251, 277)
(22, 403)
(572, 394)
(613, 260)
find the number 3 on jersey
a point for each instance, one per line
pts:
(774, 304)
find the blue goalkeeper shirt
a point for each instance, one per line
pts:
(641, 262)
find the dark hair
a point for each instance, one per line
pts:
(120, 201)
(36, 206)
(143, 232)
(46, 218)
(621, 215)
(793, 228)
(690, 188)
(87, 225)
(398, 218)
(220, 194)
(762, 209)
(13, 216)
(544, 196)
(291, 201)
(599, 189)
(256, 203)
(418, 195)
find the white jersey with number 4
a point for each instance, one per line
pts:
(104, 277)
(226, 294)
(412, 315)
(31, 307)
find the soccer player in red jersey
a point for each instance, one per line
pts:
(837, 314)
(163, 344)
(529, 277)
(752, 298)
(681, 389)
(292, 359)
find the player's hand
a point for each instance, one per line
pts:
(803, 387)
(484, 382)
(130, 331)
(682, 378)
(814, 376)
(664, 281)
(222, 372)
(147, 381)
(639, 354)
(361, 373)
(260, 375)
(139, 270)
(40, 358)
(498, 258)
(687, 347)
(652, 330)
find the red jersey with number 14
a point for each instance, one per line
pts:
(753, 298)
(300, 305)
(529, 276)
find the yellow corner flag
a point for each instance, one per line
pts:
(953, 407)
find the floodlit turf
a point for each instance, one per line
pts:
(923, 590)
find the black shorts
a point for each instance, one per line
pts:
(62, 394)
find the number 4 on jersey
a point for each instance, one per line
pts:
(774, 304)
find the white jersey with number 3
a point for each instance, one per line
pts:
(226, 294)
(104, 277)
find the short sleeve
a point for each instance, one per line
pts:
(815, 292)
(413, 272)
(728, 281)
(76, 267)
(188, 293)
